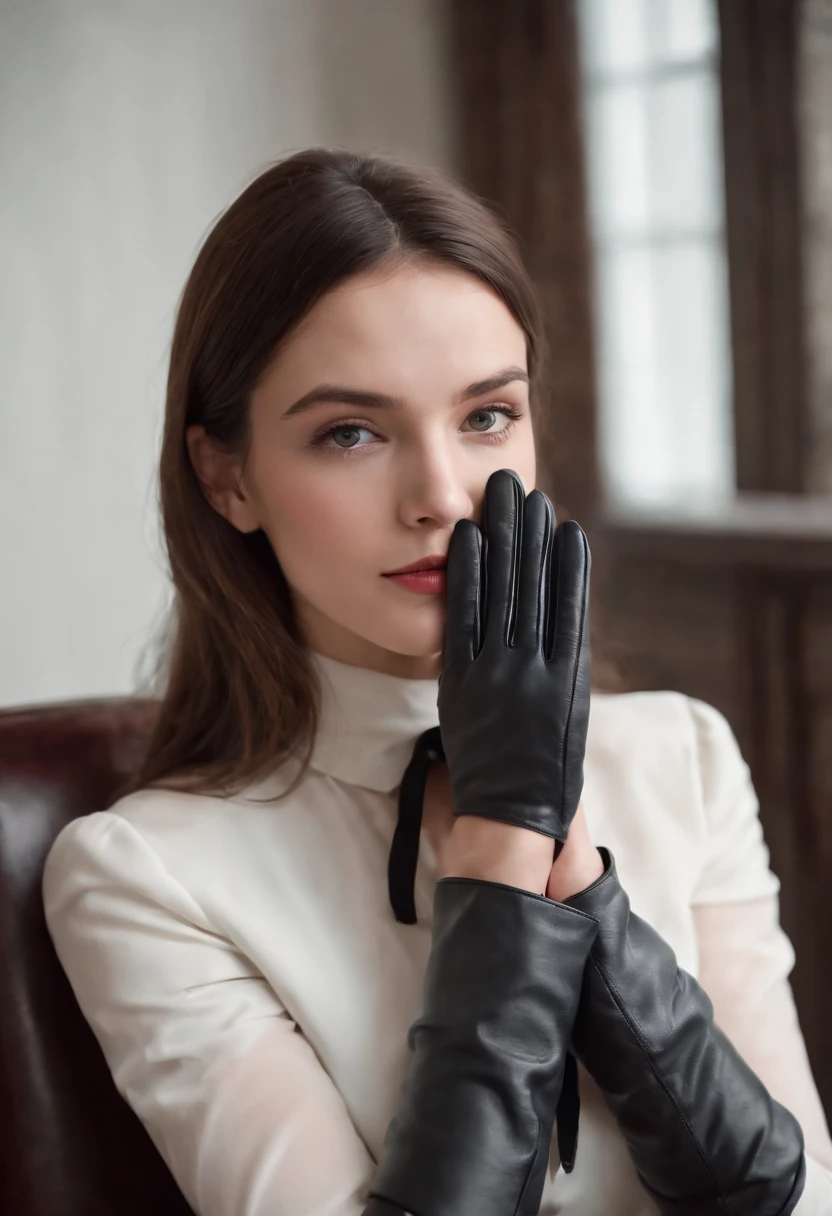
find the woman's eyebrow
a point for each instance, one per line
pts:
(334, 393)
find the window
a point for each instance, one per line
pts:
(651, 107)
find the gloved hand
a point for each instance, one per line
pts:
(514, 688)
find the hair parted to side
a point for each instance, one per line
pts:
(238, 691)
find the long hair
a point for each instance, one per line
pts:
(238, 690)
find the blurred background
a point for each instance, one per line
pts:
(667, 165)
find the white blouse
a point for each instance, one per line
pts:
(252, 991)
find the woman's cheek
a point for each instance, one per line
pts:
(329, 527)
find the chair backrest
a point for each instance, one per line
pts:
(69, 1143)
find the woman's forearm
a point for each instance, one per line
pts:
(473, 1130)
(704, 1133)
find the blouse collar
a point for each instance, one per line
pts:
(369, 723)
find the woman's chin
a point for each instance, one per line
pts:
(422, 638)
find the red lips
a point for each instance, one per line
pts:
(436, 561)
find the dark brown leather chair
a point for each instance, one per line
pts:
(69, 1144)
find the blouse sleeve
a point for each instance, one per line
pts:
(745, 957)
(231, 1093)
(737, 863)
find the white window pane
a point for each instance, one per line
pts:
(684, 29)
(686, 153)
(632, 427)
(656, 190)
(654, 152)
(664, 374)
(629, 36)
(614, 35)
(617, 123)
(693, 368)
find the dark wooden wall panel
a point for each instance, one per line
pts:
(667, 622)
(765, 258)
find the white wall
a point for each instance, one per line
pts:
(126, 126)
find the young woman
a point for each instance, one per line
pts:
(315, 1009)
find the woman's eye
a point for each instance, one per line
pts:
(488, 412)
(347, 430)
(510, 414)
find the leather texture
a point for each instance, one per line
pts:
(472, 1134)
(514, 688)
(380, 1207)
(704, 1133)
(69, 1144)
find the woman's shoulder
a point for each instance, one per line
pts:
(637, 721)
(123, 821)
(673, 761)
(115, 841)
(664, 724)
(673, 757)
(630, 713)
(153, 830)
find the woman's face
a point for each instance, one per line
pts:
(347, 490)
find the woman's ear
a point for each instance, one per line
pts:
(221, 479)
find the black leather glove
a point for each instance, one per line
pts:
(705, 1135)
(514, 689)
(473, 1131)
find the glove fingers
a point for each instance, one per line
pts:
(502, 533)
(462, 589)
(535, 571)
(566, 633)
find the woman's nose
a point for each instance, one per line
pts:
(441, 492)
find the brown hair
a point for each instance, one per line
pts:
(239, 691)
